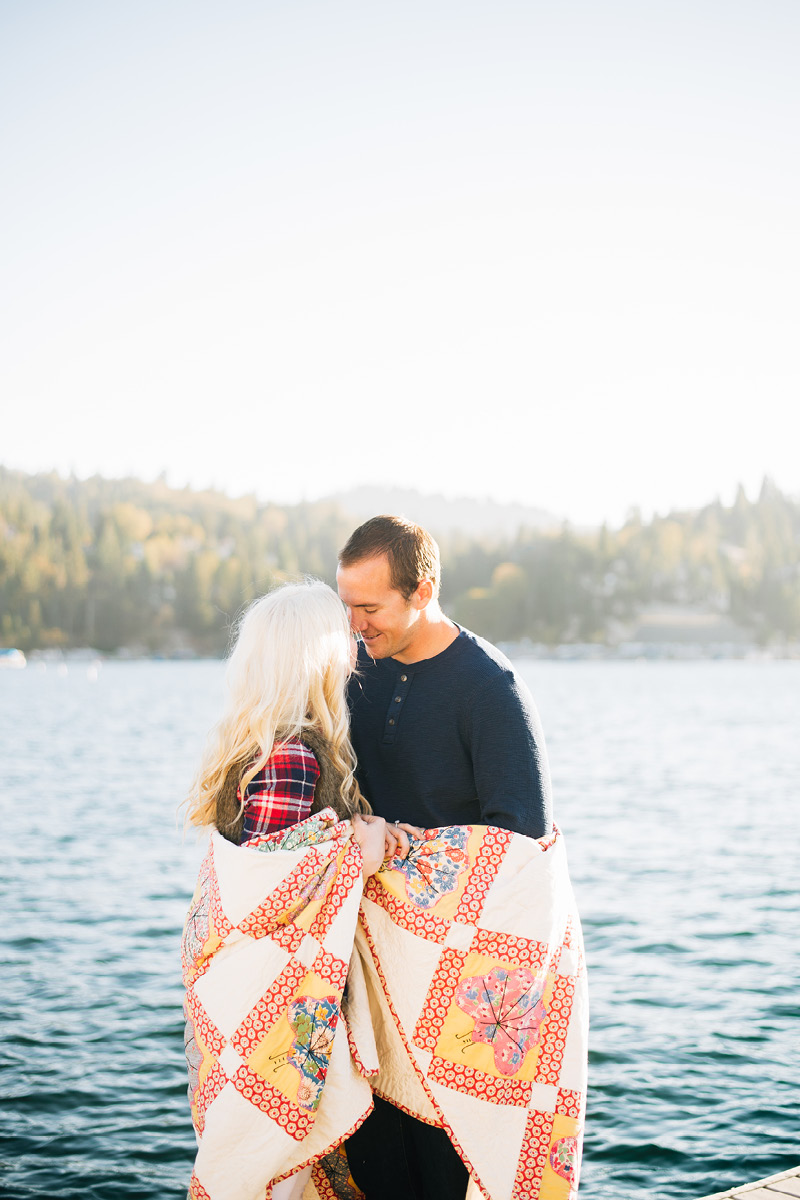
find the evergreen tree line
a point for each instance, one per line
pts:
(122, 563)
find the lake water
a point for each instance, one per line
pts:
(677, 787)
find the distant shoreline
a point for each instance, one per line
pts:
(566, 652)
(653, 652)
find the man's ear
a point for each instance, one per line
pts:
(422, 597)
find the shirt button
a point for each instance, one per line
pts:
(403, 678)
(391, 720)
(397, 699)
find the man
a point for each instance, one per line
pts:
(445, 733)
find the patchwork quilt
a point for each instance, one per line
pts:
(452, 984)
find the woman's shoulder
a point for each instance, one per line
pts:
(293, 753)
(291, 768)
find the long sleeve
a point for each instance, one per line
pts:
(509, 757)
(282, 792)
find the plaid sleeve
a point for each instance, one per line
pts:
(281, 793)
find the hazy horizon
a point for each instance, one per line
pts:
(407, 496)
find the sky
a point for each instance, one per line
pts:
(544, 253)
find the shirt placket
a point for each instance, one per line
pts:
(397, 701)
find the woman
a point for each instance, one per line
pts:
(281, 750)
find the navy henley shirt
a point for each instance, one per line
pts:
(451, 740)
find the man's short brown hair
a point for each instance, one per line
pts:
(412, 553)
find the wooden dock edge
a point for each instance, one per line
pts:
(786, 1183)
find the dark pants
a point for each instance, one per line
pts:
(392, 1156)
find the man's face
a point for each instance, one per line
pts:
(383, 617)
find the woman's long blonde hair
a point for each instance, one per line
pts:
(287, 673)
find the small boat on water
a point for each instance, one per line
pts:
(11, 659)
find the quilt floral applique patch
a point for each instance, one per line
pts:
(314, 1022)
(508, 1011)
(333, 1179)
(320, 827)
(564, 1158)
(432, 868)
(198, 922)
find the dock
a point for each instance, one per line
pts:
(787, 1183)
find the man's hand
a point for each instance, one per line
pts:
(389, 839)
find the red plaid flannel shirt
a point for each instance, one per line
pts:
(281, 793)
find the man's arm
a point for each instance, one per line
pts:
(509, 758)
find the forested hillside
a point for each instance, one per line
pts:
(121, 563)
